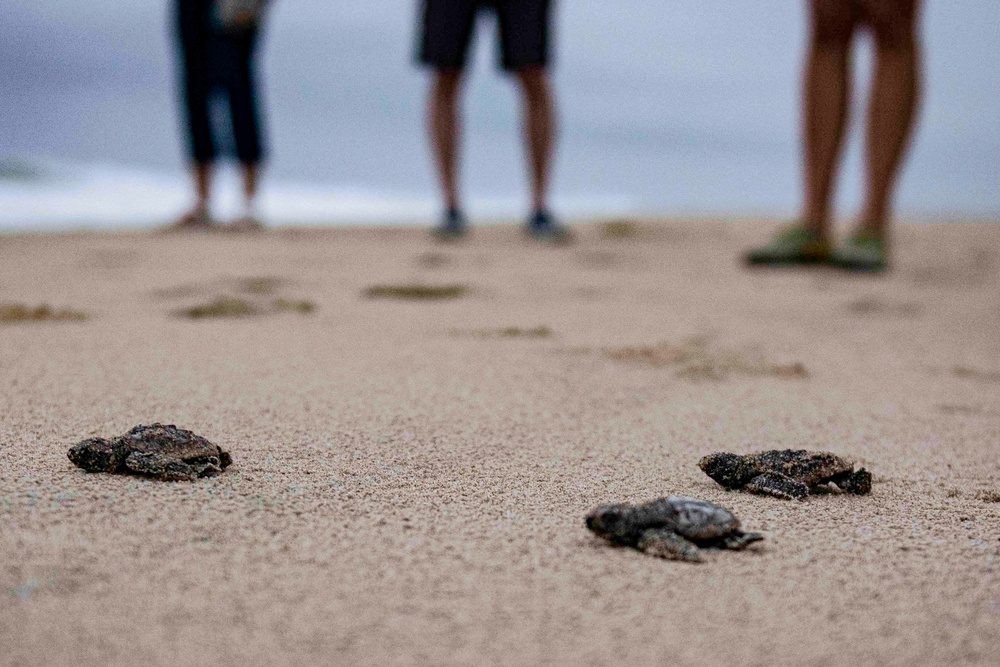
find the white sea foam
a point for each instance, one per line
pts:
(63, 196)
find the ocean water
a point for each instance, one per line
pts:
(666, 108)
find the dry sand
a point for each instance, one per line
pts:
(410, 480)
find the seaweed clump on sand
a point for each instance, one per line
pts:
(517, 332)
(416, 292)
(695, 359)
(294, 306)
(874, 306)
(232, 307)
(619, 229)
(506, 332)
(975, 374)
(18, 313)
(221, 307)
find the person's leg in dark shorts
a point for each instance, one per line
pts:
(525, 27)
(447, 31)
(193, 39)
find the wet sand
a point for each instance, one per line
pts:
(410, 476)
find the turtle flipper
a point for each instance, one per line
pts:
(738, 541)
(665, 543)
(777, 485)
(205, 467)
(859, 483)
(161, 466)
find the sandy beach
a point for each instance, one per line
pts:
(410, 476)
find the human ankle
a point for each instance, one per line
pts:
(818, 231)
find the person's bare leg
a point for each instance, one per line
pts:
(197, 217)
(539, 130)
(445, 129)
(248, 220)
(826, 97)
(251, 176)
(895, 92)
(202, 175)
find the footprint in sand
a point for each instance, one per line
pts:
(966, 410)
(110, 259)
(504, 332)
(604, 260)
(880, 307)
(433, 260)
(976, 374)
(977, 270)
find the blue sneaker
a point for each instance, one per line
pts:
(544, 228)
(452, 226)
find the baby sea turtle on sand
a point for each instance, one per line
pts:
(158, 450)
(785, 473)
(674, 527)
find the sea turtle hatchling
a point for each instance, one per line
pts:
(157, 450)
(675, 528)
(785, 473)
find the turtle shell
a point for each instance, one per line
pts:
(810, 468)
(700, 520)
(173, 442)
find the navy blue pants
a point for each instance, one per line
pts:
(213, 62)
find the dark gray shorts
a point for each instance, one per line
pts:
(448, 27)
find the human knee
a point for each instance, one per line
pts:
(447, 82)
(534, 80)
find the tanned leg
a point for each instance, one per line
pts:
(894, 98)
(539, 130)
(445, 128)
(251, 176)
(826, 97)
(202, 175)
(197, 217)
(248, 220)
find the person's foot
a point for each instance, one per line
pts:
(544, 228)
(452, 227)
(864, 254)
(197, 219)
(793, 246)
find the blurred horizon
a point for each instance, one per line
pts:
(665, 109)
